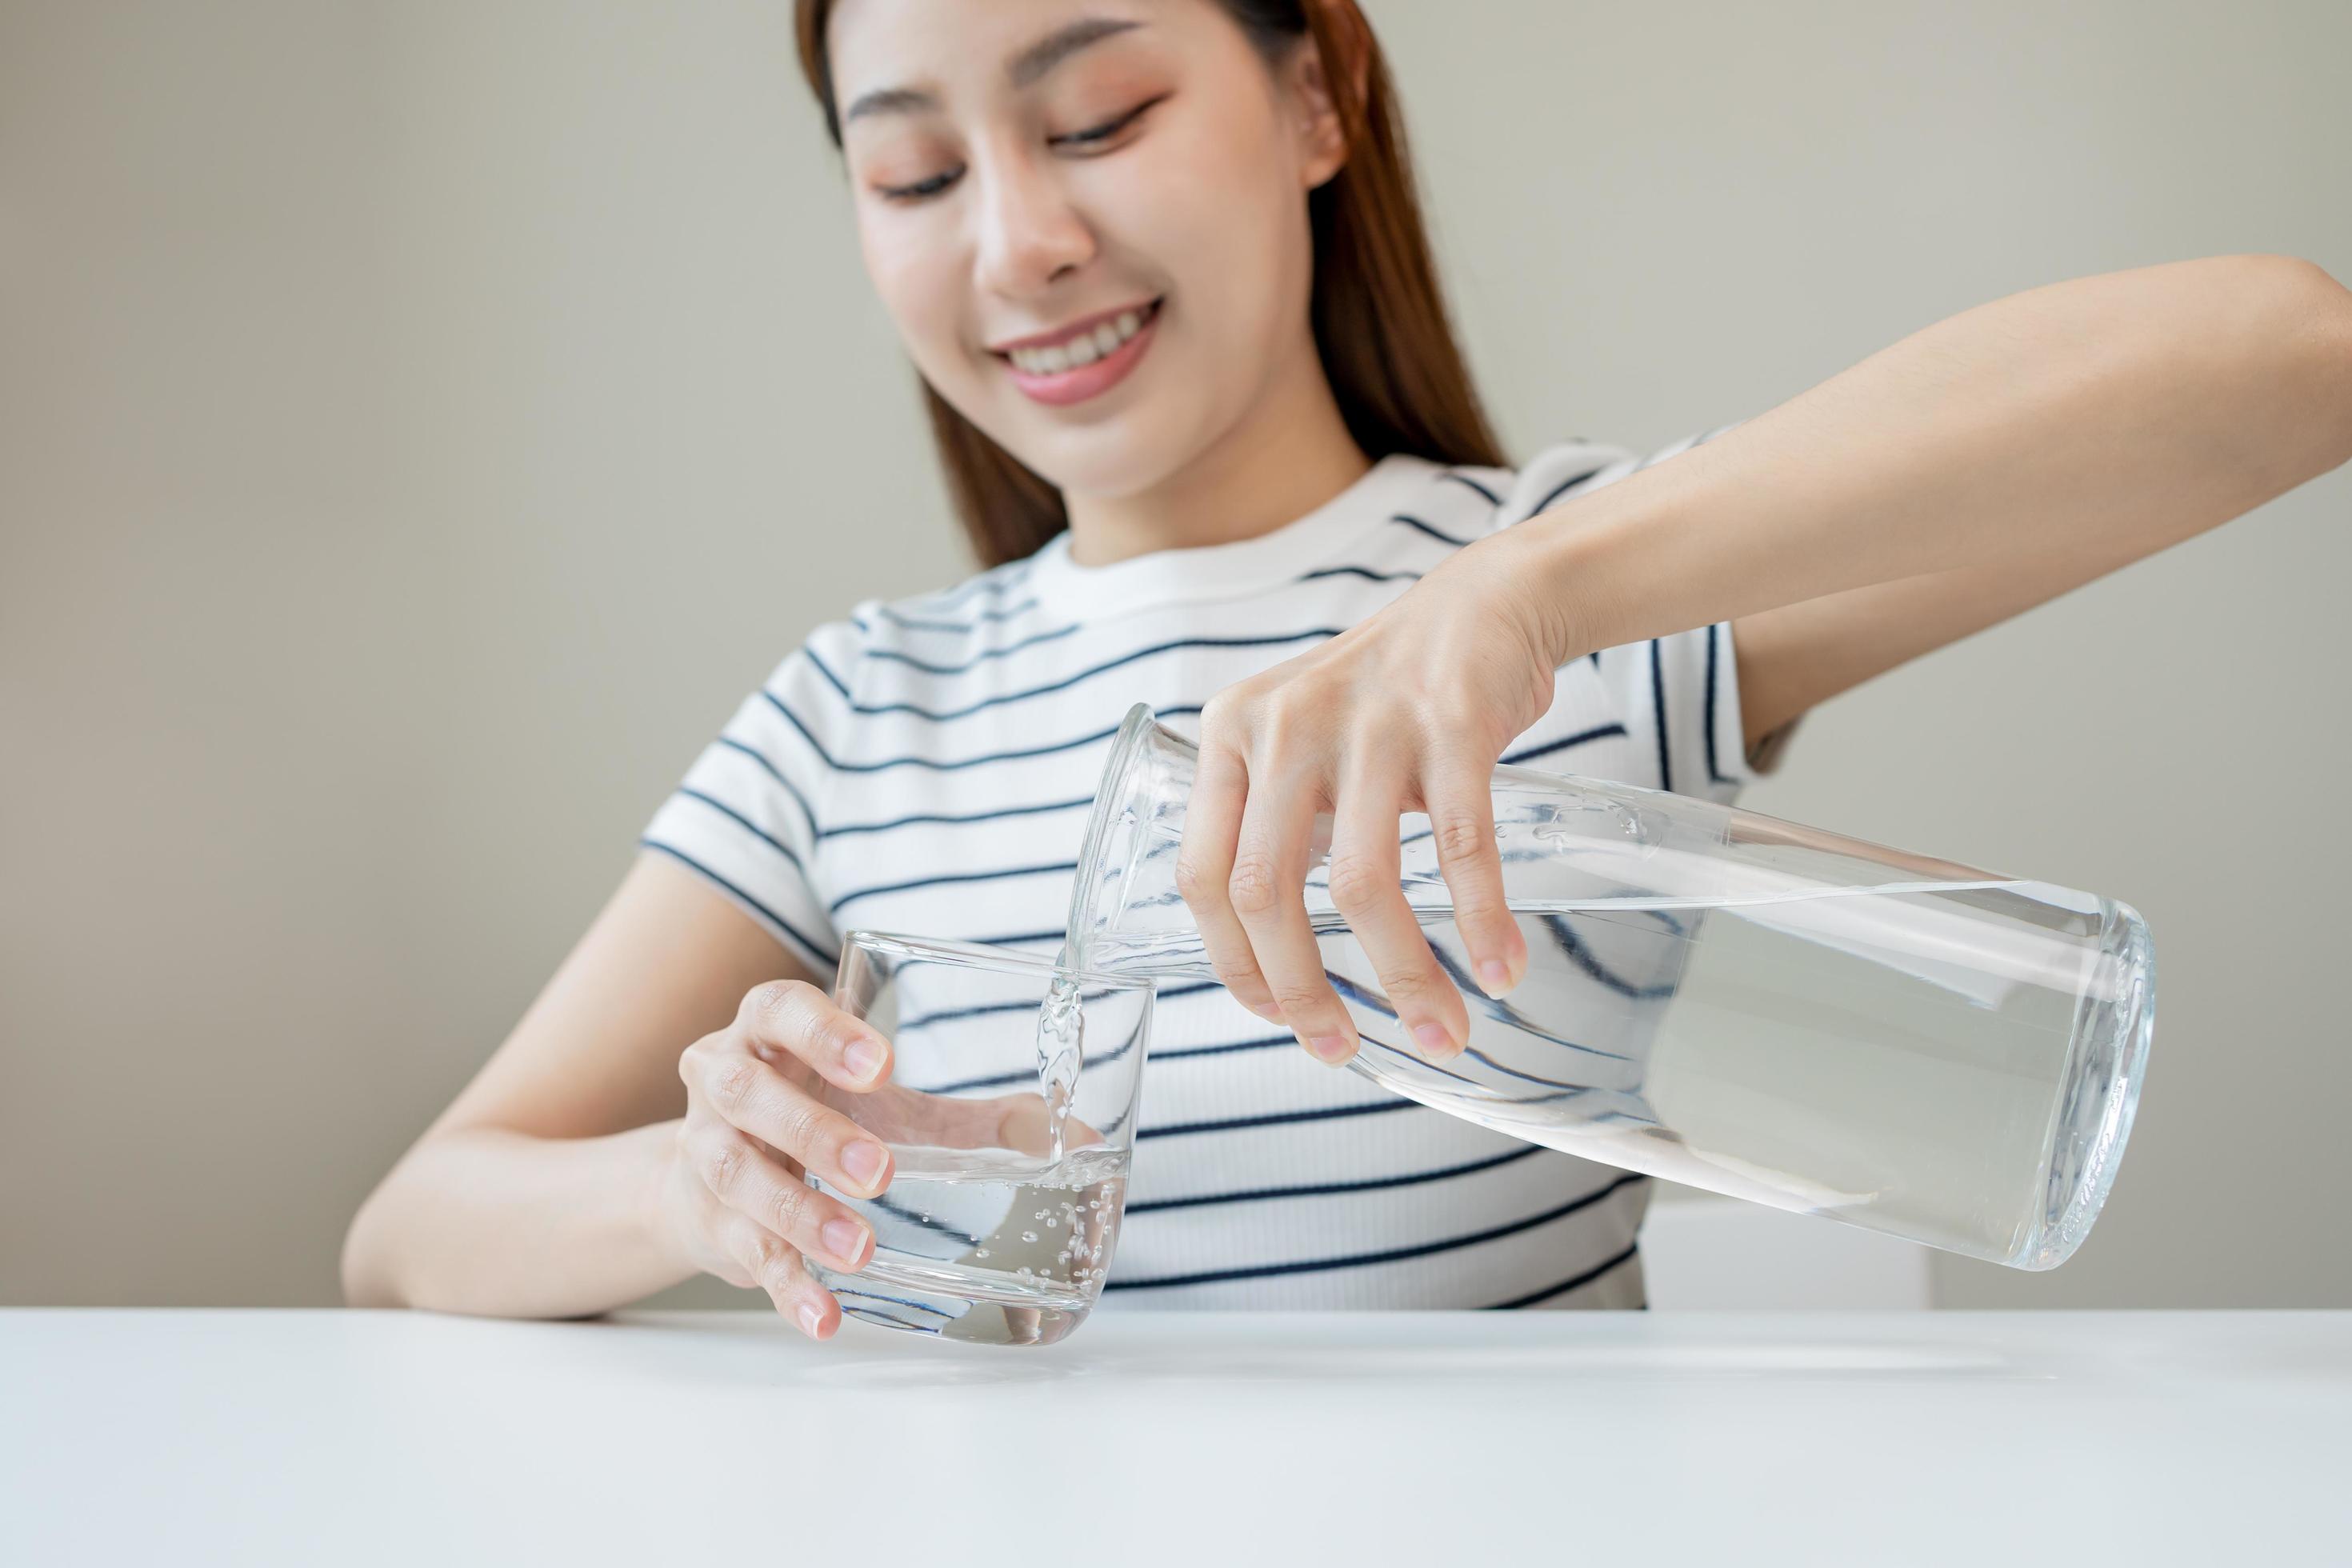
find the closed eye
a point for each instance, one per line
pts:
(921, 188)
(1093, 137)
(1109, 129)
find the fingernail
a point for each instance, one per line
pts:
(864, 1163)
(863, 1058)
(1433, 1039)
(1267, 1010)
(1496, 976)
(810, 1319)
(1332, 1048)
(843, 1238)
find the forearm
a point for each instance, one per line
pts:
(488, 1221)
(2106, 418)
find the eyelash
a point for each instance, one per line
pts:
(925, 190)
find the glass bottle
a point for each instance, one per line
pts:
(1724, 999)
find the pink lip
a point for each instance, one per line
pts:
(1082, 381)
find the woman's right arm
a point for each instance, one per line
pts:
(648, 1119)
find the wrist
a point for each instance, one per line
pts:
(654, 1148)
(1559, 577)
(1626, 561)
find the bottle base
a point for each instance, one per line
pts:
(2101, 1091)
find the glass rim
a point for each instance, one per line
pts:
(982, 956)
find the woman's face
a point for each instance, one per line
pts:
(1087, 217)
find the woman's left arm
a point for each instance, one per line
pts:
(1972, 471)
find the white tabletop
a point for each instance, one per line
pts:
(1422, 1438)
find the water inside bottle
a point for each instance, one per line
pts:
(1938, 1059)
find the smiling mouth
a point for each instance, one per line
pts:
(1077, 350)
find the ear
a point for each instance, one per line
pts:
(1323, 136)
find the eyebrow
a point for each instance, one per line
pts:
(1022, 70)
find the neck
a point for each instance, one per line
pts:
(1288, 456)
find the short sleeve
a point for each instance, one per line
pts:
(1679, 694)
(1678, 698)
(747, 815)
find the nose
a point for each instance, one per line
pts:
(1031, 234)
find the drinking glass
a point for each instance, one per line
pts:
(989, 1232)
(1725, 999)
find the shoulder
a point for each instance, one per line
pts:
(1555, 471)
(943, 628)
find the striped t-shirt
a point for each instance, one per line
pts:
(927, 765)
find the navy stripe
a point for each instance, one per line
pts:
(1325, 1113)
(1413, 1179)
(897, 657)
(1017, 940)
(777, 773)
(1258, 1043)
(773, 917)
(876, 1315)
(1565, 939)
(1658, 698)
(1364, 571)
(826, 670)
(1434, 533)
(762, 834)
(1012, 573)
(924, 1020)
(1492, 498)
(1029, 1074)
(894, 1300)
(1599, 732)
(901, 1211)
(910, 623)
(1587, 1278)
(942, 715)
(1712, 776)
(1564, 487)
(838, 767)
(1392, 1255)
(835, 908)
(975, 816)
(1476, 996)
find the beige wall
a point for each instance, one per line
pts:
(421, 421)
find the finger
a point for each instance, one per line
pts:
(1269, 890)
(752, 1095)
(743, 1180)
(1204, 867)
(1367, 887)
(775, 1267)
(896, 1114)
(796, 1017)
(1461, 804)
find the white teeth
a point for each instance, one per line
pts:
(1084, 349)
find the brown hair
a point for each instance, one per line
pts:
(1380, 319)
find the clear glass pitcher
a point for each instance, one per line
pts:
(1725, 999)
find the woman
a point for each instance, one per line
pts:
(1160, 266)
